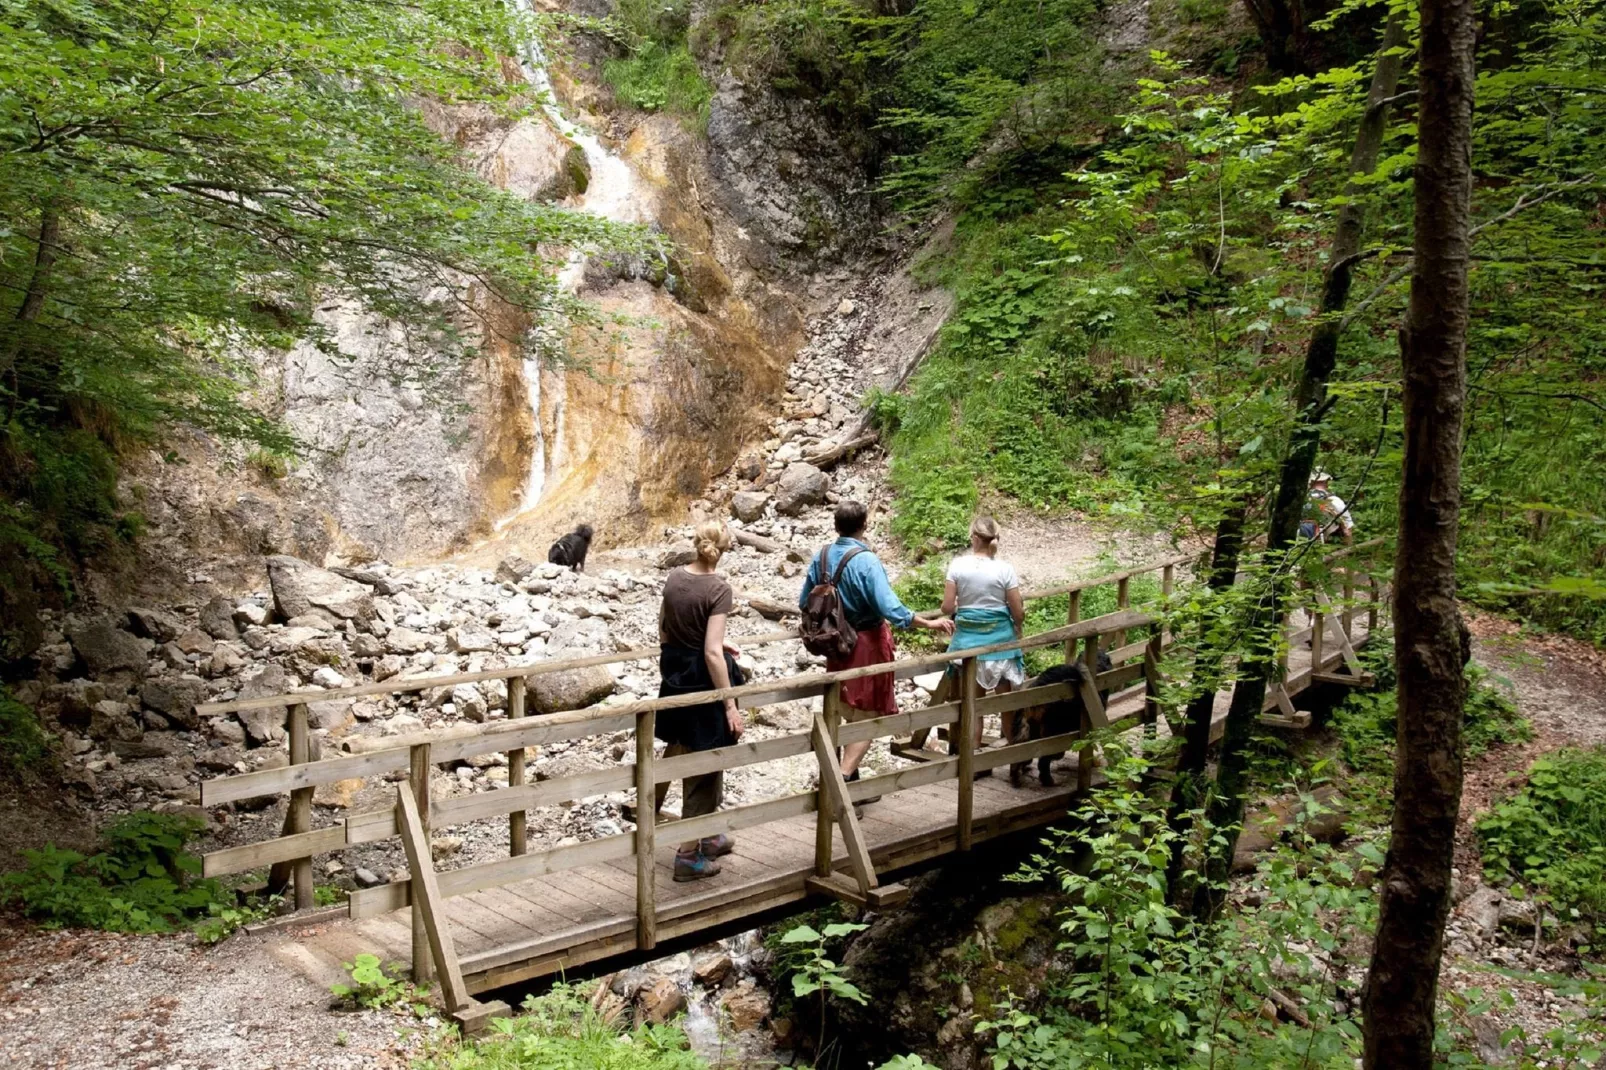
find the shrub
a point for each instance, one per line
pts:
(1365, 722)
(1551, 835)
(23, 743)
(142, 881)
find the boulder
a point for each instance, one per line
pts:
(251, 614)
(150, 745)
(713, 970)
(217, 619)
(471, 639)
(299, 588)
(408, 641)
(660, 1001)
(175, 697)
(76, 701)
(106, 648)
(114, 721)
(334, 716)
(589, 634)
(220, 759)
(369, 578)
(261, 725)
(1482, 909)
(571, 689)
(674, 558)
(747, 1009)
(513, 569)
(801, 486)
(748, 505)
(327, 678)
(157, 624)
(470, 703)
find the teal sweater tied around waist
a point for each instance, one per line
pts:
(985, 627)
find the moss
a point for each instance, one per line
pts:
(1031, 918)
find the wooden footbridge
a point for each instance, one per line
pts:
(539, 911)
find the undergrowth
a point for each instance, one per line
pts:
(1550, 837)
(1365, 723)
(142, 880)
(658, 72)
(24, 743)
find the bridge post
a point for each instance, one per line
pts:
(418, 767)
(824, 816)
(518, 839)
(1318, 625)
(299, 819)
(967, 750)
(1123, 600)
(646, 819)
(1073, 615)
(1084, 757)
(1151, 681)
(1371, 606)
(1348, 615)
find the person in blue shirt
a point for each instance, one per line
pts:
(873, 609)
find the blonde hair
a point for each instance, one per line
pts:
(985, 528)
(711, 540)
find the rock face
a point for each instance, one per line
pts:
(300, 588)
(801, 486)
(572, 689)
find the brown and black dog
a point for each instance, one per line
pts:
(1052, 718)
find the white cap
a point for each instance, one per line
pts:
(1320, 476)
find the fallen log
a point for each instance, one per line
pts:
(832, 454)
(772, 610)
(767, 546)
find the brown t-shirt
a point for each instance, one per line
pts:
(689, 600)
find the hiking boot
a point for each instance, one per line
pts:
(694, 866)
(716, 846)
(862, 802)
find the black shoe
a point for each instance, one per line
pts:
(982, 774)
(853, 778)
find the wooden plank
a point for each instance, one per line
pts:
(1023, 699)
(886, 784)
(836, 790)
(884, 897)
(740, 817)
(499, 801)
(1350, 657)
(1344, 679)
(646, 817)
(282, 849)
(965, 747)
(288, 778)
(698, 763)
(1023, 752)
(415, 841)
(538, 864)
(1114, 577)
(916, 720)
(517, 822)
(832, 713)
(418, 783)
(371, 826)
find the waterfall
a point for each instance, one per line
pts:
(612, 193)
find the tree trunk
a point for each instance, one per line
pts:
(1281, 25)
(1310, 406)
(1207, 664)
(33, 299)
(1429, 650)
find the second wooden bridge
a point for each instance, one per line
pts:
(538, 912)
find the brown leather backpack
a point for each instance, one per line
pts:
(825, 627)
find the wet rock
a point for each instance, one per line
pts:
(157, 624)
(747, 1009)
(217, 619)
(660, 1001)
(748, 505)
(571, 689)
(299, 587)
(713, 970)
(106, 648)
(801, 486)
(175, 698)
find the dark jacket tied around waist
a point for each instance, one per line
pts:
(685, 672)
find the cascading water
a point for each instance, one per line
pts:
(612, 193)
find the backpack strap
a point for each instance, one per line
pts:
(842, 565)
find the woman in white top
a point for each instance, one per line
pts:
(982, 595)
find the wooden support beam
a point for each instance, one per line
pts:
(418, 781)
(1350, 658)
(1073, 614)
(884, 897)
(646, 818)
(965, 747)
(836, 790)
(427, 901)
(518, 841)
(1151, 682)
(1345, 679)
(831, 717)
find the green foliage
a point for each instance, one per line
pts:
(561, 1030)
(1550, 837)
(185, 183)
(24, 744)
(659, 73)
(223, 920)
(1365, 722)
(373, 987)
(1578, 1041)
(141, 881)
(812, 972)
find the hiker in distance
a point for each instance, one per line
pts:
(849, 611)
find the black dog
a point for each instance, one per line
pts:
(1053, 718)
(571, 550)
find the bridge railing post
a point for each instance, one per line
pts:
(1072, 615)
(418, 766)
(1318, 625)
(966, 749)
(518, 838)
(646, 818)
(1151, 681)
(825, 816)
(1348, 615)
(1084, 756)
(1123, 600)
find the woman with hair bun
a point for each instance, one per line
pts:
(693, 657)
(983, 596)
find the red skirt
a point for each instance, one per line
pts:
(872, 693)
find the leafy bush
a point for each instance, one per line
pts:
(374, 987)
(561, 1030)
(659, 73)
(1365, 722)
(142, 881)
(23, 743)
(1551, 836)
